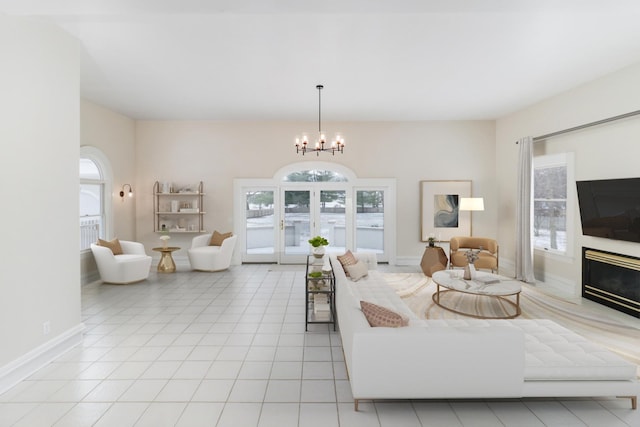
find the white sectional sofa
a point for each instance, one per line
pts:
(467, 358)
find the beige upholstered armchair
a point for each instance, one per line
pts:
(487, 258)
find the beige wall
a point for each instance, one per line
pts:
(218, 152)
(114, 135)
(39, 133)
(608, 151)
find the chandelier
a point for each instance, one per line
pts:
(302, 143)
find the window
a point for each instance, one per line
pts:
(94, 206)
(552, 207)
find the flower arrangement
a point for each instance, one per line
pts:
(472, 255)
(318, 241)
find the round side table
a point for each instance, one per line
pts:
(166, 264)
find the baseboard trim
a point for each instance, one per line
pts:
(408, 260)
(24, 366)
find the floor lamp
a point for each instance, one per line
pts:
(471, 204)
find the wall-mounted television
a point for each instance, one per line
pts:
(610, 208)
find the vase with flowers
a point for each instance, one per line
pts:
(165, 240)
(318, 243)
(470, 269)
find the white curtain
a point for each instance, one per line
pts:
(524, 212)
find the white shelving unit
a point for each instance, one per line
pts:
(178, 209)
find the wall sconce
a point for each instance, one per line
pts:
(122, 191)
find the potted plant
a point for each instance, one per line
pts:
(432, 240)
(318, 243)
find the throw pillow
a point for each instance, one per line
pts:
(218, 238)
(378, 316)
(357, 271)
(347, 259)
(114, 245)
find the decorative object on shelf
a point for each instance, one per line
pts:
(470, 269)
(432, 240)
(302, 143)
(165, 240)
(178, 208)
(122, 191)
(318, 243)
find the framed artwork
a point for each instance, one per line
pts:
(439, 214)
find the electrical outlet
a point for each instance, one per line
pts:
(46, 328)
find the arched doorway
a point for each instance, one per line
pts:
(275, 217)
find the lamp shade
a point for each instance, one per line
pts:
(471, 204)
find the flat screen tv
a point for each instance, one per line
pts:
(610, 208)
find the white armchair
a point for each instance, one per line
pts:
(131, 266)
(211, 258)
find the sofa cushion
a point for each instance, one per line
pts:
(356, 271)
(217, 238)
(114, 245)
(347, 259)
(379, 316)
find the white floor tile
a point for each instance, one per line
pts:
(279, 415)
(161, 369)
(83, 414)
(12, 412)
(318, 391)
(108, 391)
(255, 370)
(178, 391)
(283, 391)
(122, 414)
(193, 369)
(74, 391)
(129, 371)
(317, 370)
(248, 391)
(44, 415)
(318, 415)
(198, 414)
(436, 414)
(240, 414)
(366, 416)
(398, 414)
(164, 414)
(286, 371)
(213, 391)
(224, 369)
(142, 391)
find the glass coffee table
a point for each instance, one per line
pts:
(485, 284)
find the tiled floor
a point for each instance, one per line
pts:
(229, 349)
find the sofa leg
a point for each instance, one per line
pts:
(634, 402)
(355, 405)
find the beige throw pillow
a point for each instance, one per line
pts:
(114, 245)
(378, 316)
(218, 238)
(347, 259)
(357, 271)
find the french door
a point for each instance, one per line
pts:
(275, 218)
(307, 212)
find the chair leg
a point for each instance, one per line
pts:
(355, 405)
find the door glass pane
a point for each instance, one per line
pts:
(332, 219)
(370, 221)
(260, 228)
(296, 221)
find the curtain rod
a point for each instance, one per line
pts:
(587, 125)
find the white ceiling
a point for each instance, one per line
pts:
(378, 59)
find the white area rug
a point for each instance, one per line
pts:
(417, 290)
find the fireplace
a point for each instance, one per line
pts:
(612, 280)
